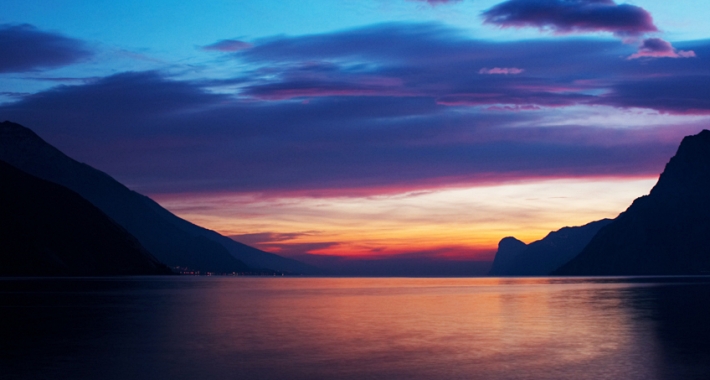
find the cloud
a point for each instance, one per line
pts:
(280, 243)
(343, 113)
(584, 16)
(658, 48)
(268, 237)
(296, 249)
(197, 141)
(228, 46)
(25, 48)
(122, 98)
(421, 60)
(312, 87)
(501, 70)
(572, 16)
(683, 94)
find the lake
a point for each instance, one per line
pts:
(355, 328)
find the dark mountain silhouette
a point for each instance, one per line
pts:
(172, 240)
(664, 233)
(541, 257)
(508, 249)
(47, 229)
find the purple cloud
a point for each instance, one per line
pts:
(431, 61)
(26, 48)
(578, 16)
(228, 46)
(570, 16)
(340, 113)
(196, 141)
(684, 94)
(658, 48)
(426, 61)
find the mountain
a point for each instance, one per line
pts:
(172, 240)
(664, 233)
(48, 229)
(508, 249)
(541, 257)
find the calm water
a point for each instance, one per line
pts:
(359, 328)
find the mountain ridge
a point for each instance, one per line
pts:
(174, 241)
(508, 249)
(666, 232)
(541, 257)
(48, 229)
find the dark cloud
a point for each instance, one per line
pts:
(679, 95)
(313, 87)
(127, 99)
(581, 16)
(432, 61)
(25, 48)
(658, 48)
(567, 16)
(424, 60)
(386, 42)
(227, 46)
(330, 145)
(401, 108)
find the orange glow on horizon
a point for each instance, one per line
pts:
(448, 224)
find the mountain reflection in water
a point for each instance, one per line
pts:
(355, 328)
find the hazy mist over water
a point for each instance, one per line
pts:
(355, 328)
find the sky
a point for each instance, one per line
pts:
(350, 130)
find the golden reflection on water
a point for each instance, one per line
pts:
(423, 328)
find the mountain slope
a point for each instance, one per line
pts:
(541, 257)
(170, 239)
(47, 229)
(664, 233)
(253, 257)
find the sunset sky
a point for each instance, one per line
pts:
(366, 128)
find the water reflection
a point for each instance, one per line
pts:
(680, 313)
(305, 328)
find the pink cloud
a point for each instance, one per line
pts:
(501, 70)
(658, 48)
